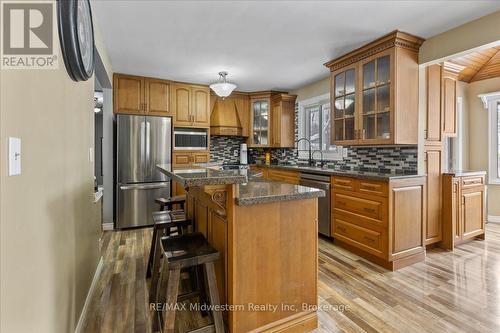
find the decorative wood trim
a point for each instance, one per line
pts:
(394, 39)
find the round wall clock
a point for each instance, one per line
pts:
(76, 35)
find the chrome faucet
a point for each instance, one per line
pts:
(310, 161)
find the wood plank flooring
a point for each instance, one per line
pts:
(449, 292)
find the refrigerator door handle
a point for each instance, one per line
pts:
(143, 159)
(144, 187)
(148, 146)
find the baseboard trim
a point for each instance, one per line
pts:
(83, 314)
(108, 226)
(494, 218)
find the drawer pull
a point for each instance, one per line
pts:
(370, 187)
(369, 239)
(341, 228)
(342, 182)
(369, 210)
(472, 182)
(341, 203)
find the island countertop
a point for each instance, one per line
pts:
(251, 190)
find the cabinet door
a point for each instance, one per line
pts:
(433, 115)
(181, 104)
(128, 92)
(472, 212)
(276, 123)
(449, 105)
(344, 127)
(201, 157)
(287, 124)
(157, 94)
(456, 210)
(181, 159)
(260, 122)
(200, 111)
(376, 99)
(433, 166)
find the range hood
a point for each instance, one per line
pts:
(224, 119)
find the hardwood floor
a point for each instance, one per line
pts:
(449, 292)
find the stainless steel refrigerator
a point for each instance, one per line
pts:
(142, 143)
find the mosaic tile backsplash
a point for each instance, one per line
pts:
(385, 159)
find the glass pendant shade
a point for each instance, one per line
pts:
(223, 88)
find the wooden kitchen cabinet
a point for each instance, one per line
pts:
(449, 82)
(128, 94)
(283, 120)
(281, 175)
(272, 120)
(190, 105)
(464, 210)
(382, 221)
(433, 161)
(374, 92)
(260, 120)
(141, 95)
(187, 158)
(432, 132)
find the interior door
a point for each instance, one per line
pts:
(158, 146)
(130, 149)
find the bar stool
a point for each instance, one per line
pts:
(185, 252)
(167, 203)
(164, 223)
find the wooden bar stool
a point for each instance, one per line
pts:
(164, 224)
(181, 252)
(168, 203)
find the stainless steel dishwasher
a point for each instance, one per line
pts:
(322, 182)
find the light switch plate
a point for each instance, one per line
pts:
(14, 156)
(91, 154)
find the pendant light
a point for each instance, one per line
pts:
(223, 88)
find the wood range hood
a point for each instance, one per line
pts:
(224, 119)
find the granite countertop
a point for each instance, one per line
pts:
(346, 173)
(259, 191)
(462, 173)
(203, 175)
(251, 189)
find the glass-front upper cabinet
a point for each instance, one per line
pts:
(376, 99)
(260, 115)
(374, 92)
(344, 106)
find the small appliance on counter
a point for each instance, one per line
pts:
(243, 154)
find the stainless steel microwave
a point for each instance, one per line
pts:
(190, 139)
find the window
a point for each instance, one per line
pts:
(314, 125)
(491, 102)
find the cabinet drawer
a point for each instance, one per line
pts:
(181, 158)
(284, 176)
(468, 182)
(201, 157)
(368, 240)
(365, 207)
(343, 183)
(370, 187)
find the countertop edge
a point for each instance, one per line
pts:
(278, 198)
(332, 172)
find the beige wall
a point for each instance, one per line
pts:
(477, 151)
(461, 40)
(49, 225)
(314, 89)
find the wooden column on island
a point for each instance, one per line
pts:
(268, 266)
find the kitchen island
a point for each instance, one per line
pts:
(266, 234)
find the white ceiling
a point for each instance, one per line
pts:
(262, 44)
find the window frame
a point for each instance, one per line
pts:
(303, 123)
(491, 103)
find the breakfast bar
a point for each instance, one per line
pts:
(266, 234)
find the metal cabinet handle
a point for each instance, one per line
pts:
(143, 187)
(370, 210)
